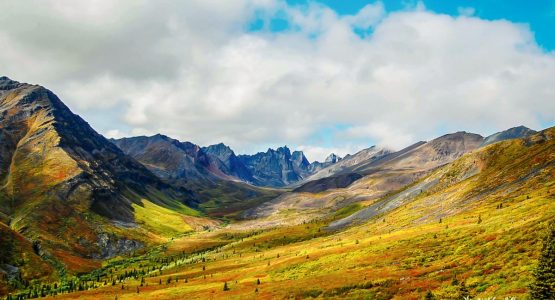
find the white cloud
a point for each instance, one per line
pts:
(114, 134)
(368, 16)
(190, 70)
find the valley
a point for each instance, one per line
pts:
(152, 217)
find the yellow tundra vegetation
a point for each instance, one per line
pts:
(160, 220)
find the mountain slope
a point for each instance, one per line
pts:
(169, 158)
(343, 165)
(214, 173)
(420, 156)
(417, 158)
(500, 170)
(65, 186)
(233, 166)
(511, 133)
(19, 260)
(426, 156)
(472, 226)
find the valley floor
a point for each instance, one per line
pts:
(487, 250)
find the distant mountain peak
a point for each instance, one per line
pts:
(220, 145)
(457, 135)
(9, 84)
(285, 151)
(511, 133)
(219, 149)
(332, 158)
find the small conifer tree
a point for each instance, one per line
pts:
(543, 286)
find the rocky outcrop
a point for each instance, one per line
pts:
(111, 246)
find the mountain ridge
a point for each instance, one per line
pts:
(57, 170)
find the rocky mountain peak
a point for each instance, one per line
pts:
(219, 149)
(332, 158)
(8, 84)
(284, 150)
(300, 161)
(511, 133)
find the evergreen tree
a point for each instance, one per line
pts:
(543, 286)
(429, 296)
(258, 281)
(226, 288)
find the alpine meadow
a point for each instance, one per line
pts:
(277, 149)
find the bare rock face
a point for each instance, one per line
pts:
(332, 158)
(277, 167)
(112, 246)
(232, 165)
(9, 272)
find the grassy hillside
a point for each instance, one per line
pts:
(477, 229)
(72, 195)
(19, 261)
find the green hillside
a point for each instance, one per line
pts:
(478, 230)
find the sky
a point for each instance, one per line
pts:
(318, 76)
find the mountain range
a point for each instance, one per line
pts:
(90, 214)
(171, 159)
